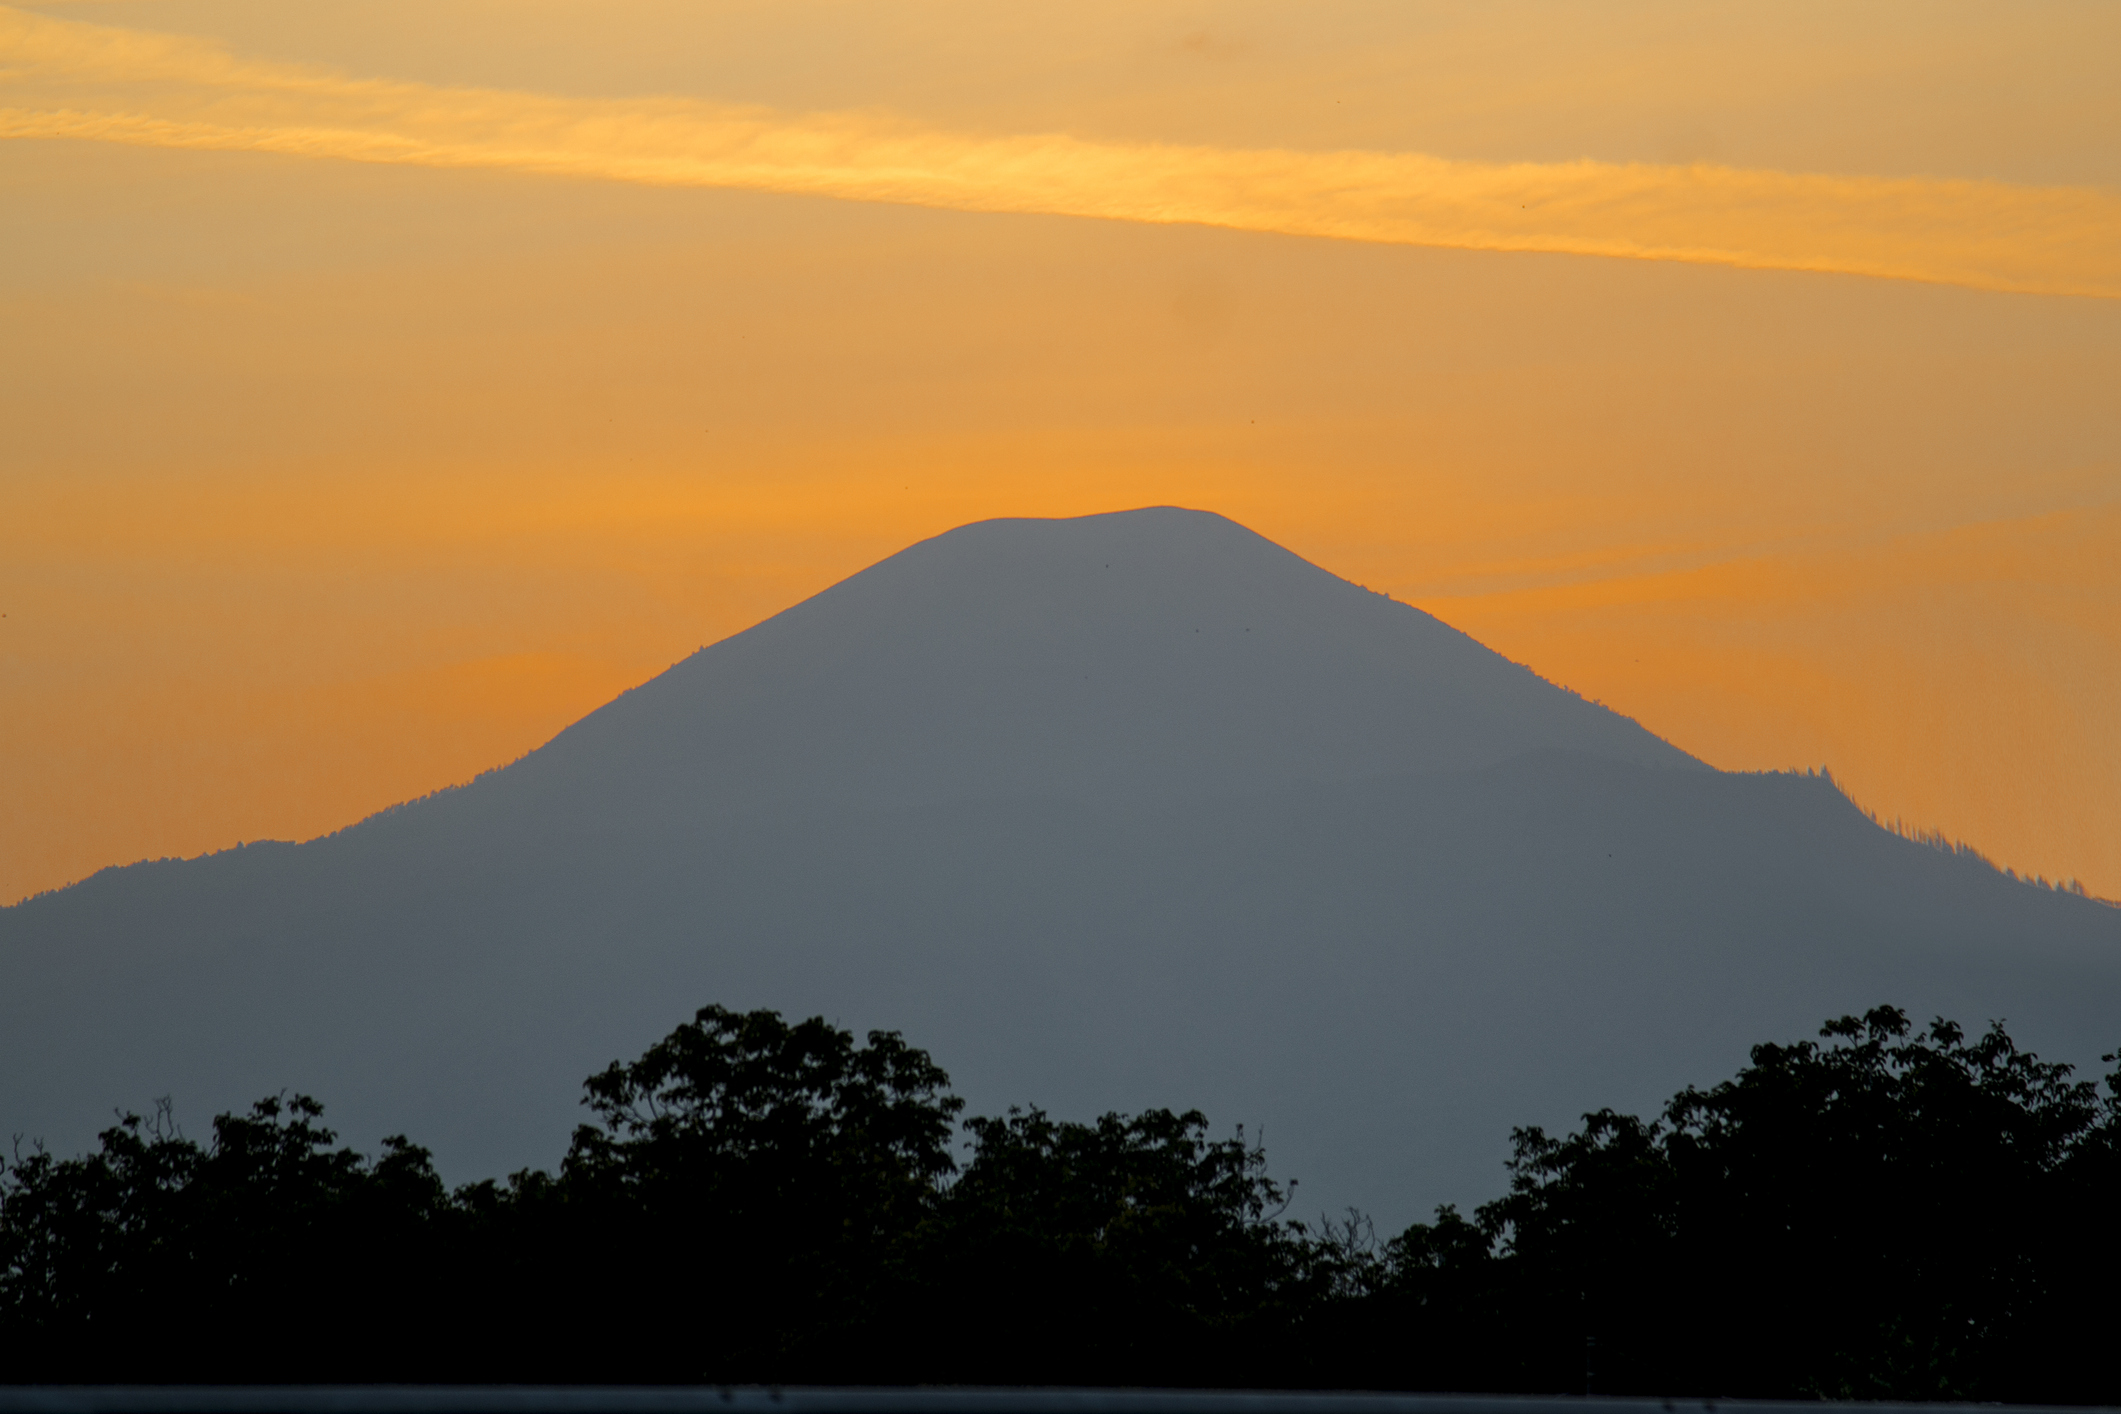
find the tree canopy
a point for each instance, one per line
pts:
(1884, 1212)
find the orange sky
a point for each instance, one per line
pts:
(328, 482)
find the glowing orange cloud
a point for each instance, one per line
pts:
(114, 85)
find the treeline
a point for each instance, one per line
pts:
(1885, 1213)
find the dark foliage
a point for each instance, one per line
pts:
(1892, 1214)
(745, 1206)
(266, 1251)
(1129, 1251)
(1884, 1213)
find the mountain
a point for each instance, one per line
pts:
(1122, 811)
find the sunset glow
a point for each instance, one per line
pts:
(1986, 235)
(382, 393)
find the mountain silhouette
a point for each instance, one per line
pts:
(1121, 811)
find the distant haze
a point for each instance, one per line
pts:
(1120, 811)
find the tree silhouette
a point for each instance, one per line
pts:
(1890, 1214)
(1885, 1212)
(267, 1249)
(1127, 1251)
(738, 1210)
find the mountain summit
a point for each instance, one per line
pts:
(1129, 810)
(1131, 655)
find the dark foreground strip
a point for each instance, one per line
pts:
(522, 1399)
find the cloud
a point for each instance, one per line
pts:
(91, 82)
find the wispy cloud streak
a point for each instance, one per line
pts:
(81, 81)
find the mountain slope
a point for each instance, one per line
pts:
(1127, 655)
(1210, 827)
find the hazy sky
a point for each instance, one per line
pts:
(384, 385)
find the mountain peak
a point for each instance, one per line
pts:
(1138, 653)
